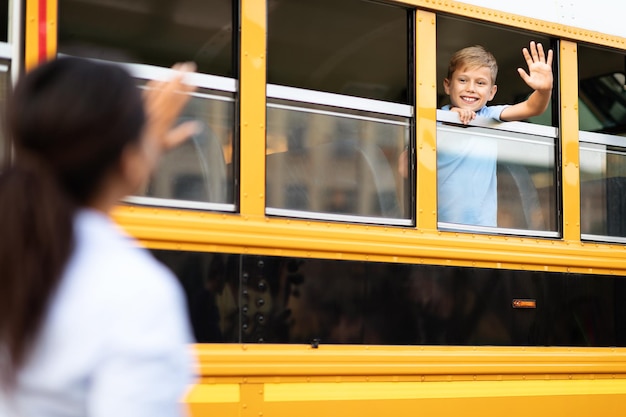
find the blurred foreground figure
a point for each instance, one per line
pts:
(90, 323)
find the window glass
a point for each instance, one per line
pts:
(495, 178)
(339, 111)
(201, 169)
(352, 47)
(323, 160)
(603, 190)
(4, 20)
(602, 91)
(602, 121)
(149, 36)
(5, 77)
(253, 299)
(157, 32)
(211, 282)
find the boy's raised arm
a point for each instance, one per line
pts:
(539, 78)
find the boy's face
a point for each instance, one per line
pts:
(470, 89)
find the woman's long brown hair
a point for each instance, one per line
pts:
(69, 120)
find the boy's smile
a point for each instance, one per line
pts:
(470, 89)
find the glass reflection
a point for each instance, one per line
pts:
(4, 87)
(201, 169)
(253, 299)
(157, 32)
(601, 93)
(4, 20)
(325, 45)
(494, 178)
(603, 190)
(211, 285)
(320, 160)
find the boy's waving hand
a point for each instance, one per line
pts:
(539, 76)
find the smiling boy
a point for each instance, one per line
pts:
(467, 184)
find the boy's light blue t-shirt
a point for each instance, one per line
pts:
(466, 176)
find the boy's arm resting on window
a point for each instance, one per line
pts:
(539, 78)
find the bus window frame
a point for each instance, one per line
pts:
(340, 102)
(208, 81)
(594, 138)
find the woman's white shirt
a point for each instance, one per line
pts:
(115, 342)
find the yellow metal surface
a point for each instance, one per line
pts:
(232, 233)
(213, 393)
(252, 107)
(517, 21)
(31, 34)
(280, 380)
(51, 28)
(358, 391)
(482, 406)
(404, 363)
(40, 31)
(214, 399)
(569, 140)
(426, 120)
(252, 400)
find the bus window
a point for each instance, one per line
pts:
(336, 162)
(4, 20)
(4, 70)
(523, 159)
(150, 36)
(335, 132)
(199, 173)
(353, 47)
(236, 298)
(156, 32)
(602, 121)
(5, 77)
(211, 282)
(494, 177)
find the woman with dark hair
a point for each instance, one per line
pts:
(90, 324)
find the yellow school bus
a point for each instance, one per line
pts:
(303, 222)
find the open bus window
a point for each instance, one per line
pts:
(602, 121)
(339, 111)
(505, 44)
(156, 32)
(495, 177)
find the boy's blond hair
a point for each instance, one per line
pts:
(473, 57)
